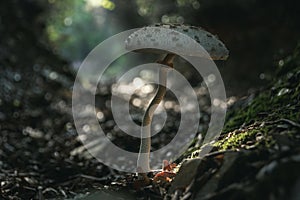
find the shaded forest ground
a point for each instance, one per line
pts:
(258, 152)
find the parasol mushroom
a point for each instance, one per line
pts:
(159, 39)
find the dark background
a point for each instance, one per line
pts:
(257, 33)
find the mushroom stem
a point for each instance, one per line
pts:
(143, 162)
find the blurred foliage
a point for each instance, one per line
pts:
(75, 27)
(249, 28)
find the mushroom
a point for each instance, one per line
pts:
(159, 39)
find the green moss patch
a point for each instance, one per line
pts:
(280, 101)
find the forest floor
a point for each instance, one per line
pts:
(257, 155)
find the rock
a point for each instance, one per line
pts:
(185, 176)
(213, 183)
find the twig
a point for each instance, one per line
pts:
(290, 122)
(92, 177)
(216, 153)
(284, 120)
(40, 193)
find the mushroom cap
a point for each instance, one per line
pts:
(162, 38)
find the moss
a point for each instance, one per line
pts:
(235, 141)
(249, 137)
(248, 114)
(281, 100)
(255, 125)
